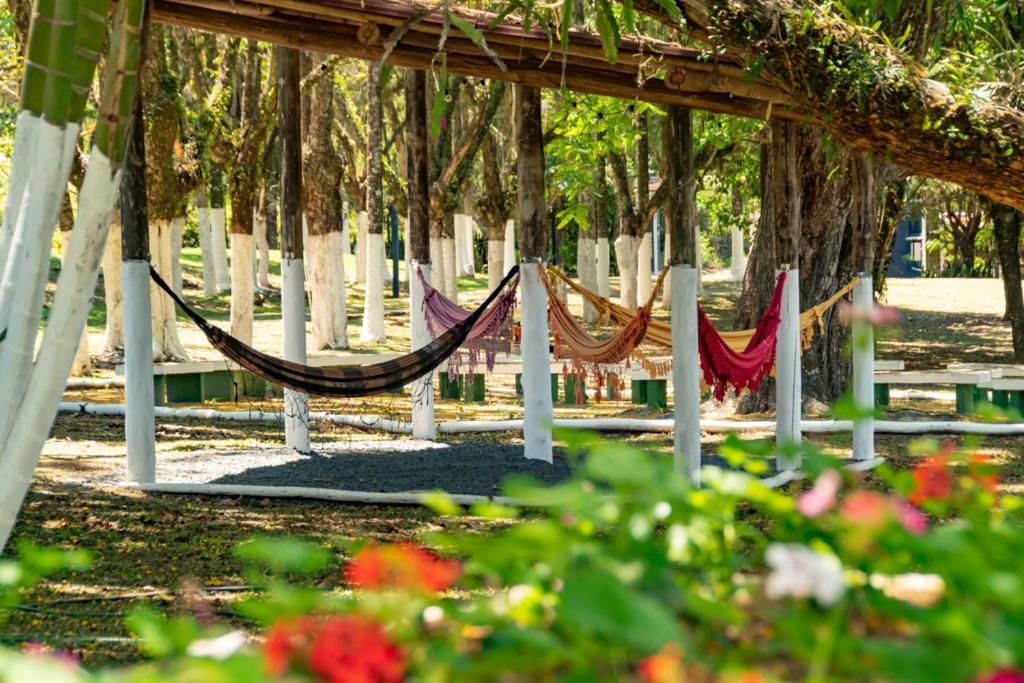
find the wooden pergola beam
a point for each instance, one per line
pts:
(654, 72)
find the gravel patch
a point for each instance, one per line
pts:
(469, 467)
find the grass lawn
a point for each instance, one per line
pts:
(163, 550)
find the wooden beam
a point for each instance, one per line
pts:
(525, 65)
(289, 122)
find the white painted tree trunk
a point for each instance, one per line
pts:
(37, 403)
(700, 259)
(177, 238)
(346, 230)
(469, 259)
(685, 373)
(603, 267)
(538, 411)
(625, 254)
(495, 263)
(666, 289)
(738, 260)
(112, 293)
(206, 247)
(81, 364)
(437, 263)
(451, 280)
(293, 314)
(586, 266)
(219, 246)
(645, 253)
(510, 245)
(863, 367)
(263, 252)
(139, 423)
(241, 286)
(26, 133)
(385, 256)
(166, 344)
(787, 372)
(23, 285)
(361, 226)
(373, 309)
(460, 243)
(423, 388)
(325, 262)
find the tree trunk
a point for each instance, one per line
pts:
(82, 364)
(373, 308)
(1006, 225)
(113, 296)
(586, 262)
(825, 249)
(325, 261)
(177, 238)
(205, 242)
(218, 232)
(167, 345)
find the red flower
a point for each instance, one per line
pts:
(342, 649)
(354, 649)
(1003, 676)
(664, 666)
(402, 565)
(983, 471)
(932, 480)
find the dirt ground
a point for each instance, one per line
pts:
(163, 550)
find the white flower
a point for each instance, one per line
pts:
(800, 572)
(220, 647)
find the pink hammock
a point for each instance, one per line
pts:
(743, 370)
(491, 333)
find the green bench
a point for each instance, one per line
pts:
(966, 382)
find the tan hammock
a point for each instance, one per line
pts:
(660, 332)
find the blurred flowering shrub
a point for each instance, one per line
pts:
(627, 573)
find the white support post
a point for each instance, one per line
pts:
(423, 388)
(293, 311)
(538, 411)
(139, 423)
(787, 371)
(863, 368)
(685, 372)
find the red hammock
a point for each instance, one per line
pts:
(743, 370)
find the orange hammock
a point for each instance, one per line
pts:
(589, 354)
(659, 332)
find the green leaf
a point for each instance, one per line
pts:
(609, 31)
(441, 503)
(284, 555)
(162, 637)
(474, 34)
(599, 604)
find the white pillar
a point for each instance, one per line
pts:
(423, 388)
(538, 411)
(510, 245)
(738, 259)
(863, 368)
(219, 243)
(685, 372)
(293, 313)
(787, 371)
(645, 254)
(603, 267)
(139, 422)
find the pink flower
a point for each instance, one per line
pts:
(912, 519)
(1003, 676)
(878, 316)
(866, 508)
(822, 496)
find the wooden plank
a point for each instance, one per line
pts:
(889, 365)
(932, 377)
(998, 370)
(1003, 384)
